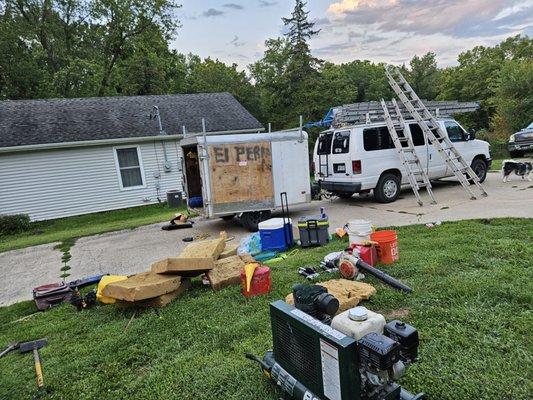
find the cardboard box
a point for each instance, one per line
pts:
(159, 301)
(142, 286)
(227, 271)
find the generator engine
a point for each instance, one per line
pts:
(315, 301)
(384, 359)
(313, 360)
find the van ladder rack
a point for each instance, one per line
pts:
(406, 150)
(432, 131)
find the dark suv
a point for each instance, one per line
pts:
(521, 142)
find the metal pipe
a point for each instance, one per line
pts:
(395, 283)
(301, 129)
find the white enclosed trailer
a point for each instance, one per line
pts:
(244, 175)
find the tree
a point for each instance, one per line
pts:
(513, 96)
(74, 47)
(204, 76)
(369, 80)
(423, 75)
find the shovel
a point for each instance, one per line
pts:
(34, 347)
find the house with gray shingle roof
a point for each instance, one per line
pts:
(64, 157)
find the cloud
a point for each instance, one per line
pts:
(235, 42)
(456, 18)
(264, 3)
(212, 12)
(233, 6)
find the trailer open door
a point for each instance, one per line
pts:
(240, 177)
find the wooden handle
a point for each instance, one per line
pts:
(38, 369)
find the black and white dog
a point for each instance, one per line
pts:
(522, 169)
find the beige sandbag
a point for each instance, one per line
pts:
(349, 293)
(142, 286)
(159, 301)
(230, 250)
(227, 272)
(195, 259)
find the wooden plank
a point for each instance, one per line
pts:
(241, 172)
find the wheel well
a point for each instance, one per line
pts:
(392, 171)
(480, 157)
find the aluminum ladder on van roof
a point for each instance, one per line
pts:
(416, 175)
(433, 131)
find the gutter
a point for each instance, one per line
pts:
(104, 142)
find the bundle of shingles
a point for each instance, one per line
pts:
(170, 277)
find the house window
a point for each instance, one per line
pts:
(129, 167)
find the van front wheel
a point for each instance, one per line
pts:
(388, 188)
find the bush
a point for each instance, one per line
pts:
(10, 224)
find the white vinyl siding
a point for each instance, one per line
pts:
(60, 183)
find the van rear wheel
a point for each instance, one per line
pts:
(388, 188)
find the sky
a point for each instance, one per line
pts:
(392, 31)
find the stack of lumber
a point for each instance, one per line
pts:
(170, 277)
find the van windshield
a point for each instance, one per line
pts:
(324, 143)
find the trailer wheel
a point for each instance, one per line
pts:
(250, 220)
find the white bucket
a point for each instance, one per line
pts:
(359, 230)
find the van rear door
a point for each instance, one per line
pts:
(341, 160)
(322, 155)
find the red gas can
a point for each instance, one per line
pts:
(261, 282)
(367, 253)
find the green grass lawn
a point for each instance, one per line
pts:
(496, 165)
(472, 304)
(59, 230)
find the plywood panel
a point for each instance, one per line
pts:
(241, 172)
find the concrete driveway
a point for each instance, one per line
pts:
(132, 251)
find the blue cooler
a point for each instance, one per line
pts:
(272, 236)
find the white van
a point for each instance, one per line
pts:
(360, 158)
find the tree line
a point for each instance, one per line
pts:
(83, 48)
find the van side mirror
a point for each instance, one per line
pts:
(471, 134)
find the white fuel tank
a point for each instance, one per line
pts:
(358, 321)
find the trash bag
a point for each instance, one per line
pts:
(250, 245)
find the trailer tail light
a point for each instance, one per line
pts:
(356, 167)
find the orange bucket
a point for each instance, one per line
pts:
(387, 246)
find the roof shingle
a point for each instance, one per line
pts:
(31, 122)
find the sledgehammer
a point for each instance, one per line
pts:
(35, 346)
